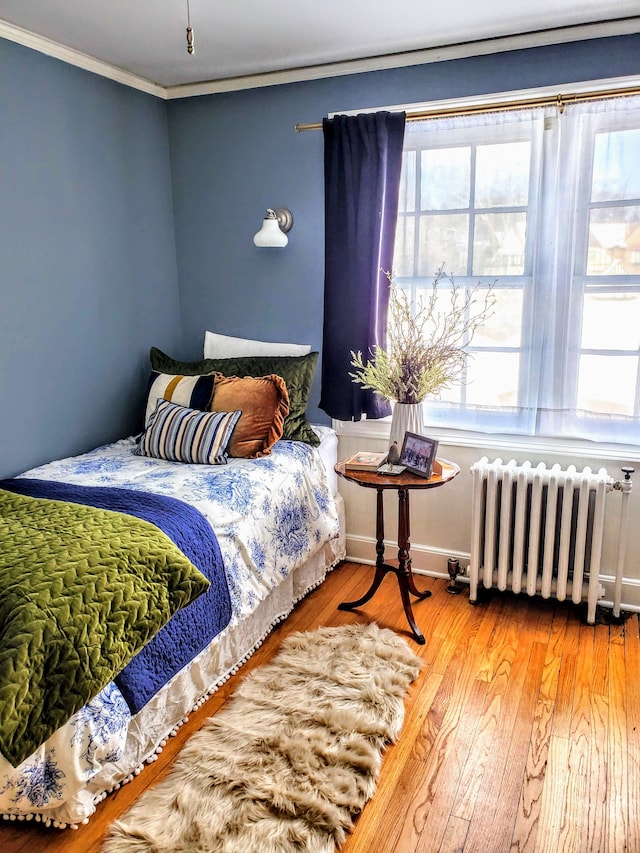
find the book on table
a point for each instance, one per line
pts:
(365, 460)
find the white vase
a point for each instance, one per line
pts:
(406, 417)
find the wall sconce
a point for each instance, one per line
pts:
(274, 228)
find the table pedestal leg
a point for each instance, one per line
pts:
(402, 571)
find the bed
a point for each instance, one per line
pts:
(277, 524)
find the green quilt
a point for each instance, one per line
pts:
(81, 591)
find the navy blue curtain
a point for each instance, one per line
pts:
(362, 163)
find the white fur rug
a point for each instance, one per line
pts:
(291, 759)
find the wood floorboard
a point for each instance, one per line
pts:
(596, 813)
(617, 743)
(507, 797)
(632, 695)
(521, 733)
(487, 833)
(525, 832)
(553, 659)
(438, 819)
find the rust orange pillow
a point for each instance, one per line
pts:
(264, 403)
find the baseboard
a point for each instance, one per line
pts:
(425, 560)
(431, 561)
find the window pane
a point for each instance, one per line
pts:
(451, 395)
(443, 300)
(499, 244)
(443, 304)
(607, 384)
(614, 241)
(615, 166)
(445, 178)
(403, 251)
(407, 198)
(502, 174)
(443, 240)
(611, 321)
(504, 328)
(492, 378)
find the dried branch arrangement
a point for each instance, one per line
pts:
(427, 342)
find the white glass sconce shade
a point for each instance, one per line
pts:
(274, 227)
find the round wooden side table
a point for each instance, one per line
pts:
(403, 484)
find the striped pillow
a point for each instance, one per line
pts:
(193, 392)
(179, 434)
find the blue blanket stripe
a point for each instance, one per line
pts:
(189, 630)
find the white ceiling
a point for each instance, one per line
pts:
(146, 38)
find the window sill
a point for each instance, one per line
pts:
(499, 444)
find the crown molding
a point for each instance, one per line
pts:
(625, 26)
(79, 59)
(502, 44)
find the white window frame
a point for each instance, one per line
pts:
(379, 429)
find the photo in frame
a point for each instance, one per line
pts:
(418, 454)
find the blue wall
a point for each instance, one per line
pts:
(88, 276)
(235, 154)
(93, 178)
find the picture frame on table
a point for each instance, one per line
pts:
(418, 454)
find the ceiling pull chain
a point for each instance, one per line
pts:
(190, 48)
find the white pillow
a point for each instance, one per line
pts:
(225, 346)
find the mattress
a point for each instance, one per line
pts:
(328, 451)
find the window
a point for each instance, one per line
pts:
(545, 208)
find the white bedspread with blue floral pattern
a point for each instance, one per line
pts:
(270, 516)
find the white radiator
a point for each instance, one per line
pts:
(538, 530)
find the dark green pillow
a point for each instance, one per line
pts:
(297, 372)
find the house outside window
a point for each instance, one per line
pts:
(544, 208)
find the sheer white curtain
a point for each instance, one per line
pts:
(546, 207)
(592, 364)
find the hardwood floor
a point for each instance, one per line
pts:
(521, 734)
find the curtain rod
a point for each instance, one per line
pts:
(560, 101)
